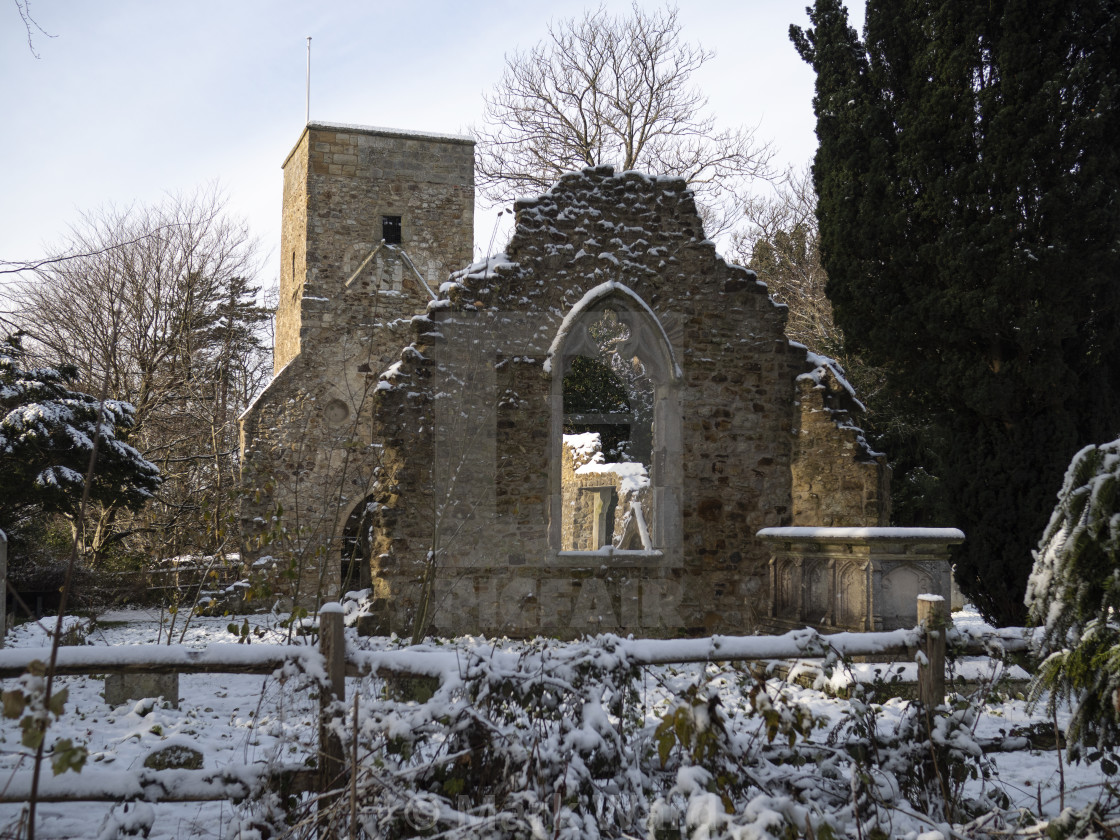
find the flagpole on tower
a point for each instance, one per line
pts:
(307, 105)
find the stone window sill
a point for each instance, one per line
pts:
(623, 558)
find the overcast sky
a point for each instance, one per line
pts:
(132, 99)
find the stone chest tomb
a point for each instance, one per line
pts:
(581, 434)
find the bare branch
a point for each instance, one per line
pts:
(19, 266)
(614, 90)
(30, 24)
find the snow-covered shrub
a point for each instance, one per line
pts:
(508, 749)
(131, 819)
(1073, 594)
(266, 817)
(557, 742)
(724, 785)
(919, 764)
(563, 741)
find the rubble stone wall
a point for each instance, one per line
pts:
(837, 478)
(727, 473)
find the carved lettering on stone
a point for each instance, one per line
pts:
(593, 611)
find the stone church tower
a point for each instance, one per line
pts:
(346, 190)
(373, 222)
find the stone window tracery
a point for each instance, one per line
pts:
(616, 429)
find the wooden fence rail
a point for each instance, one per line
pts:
(228, 784)
(329, 663)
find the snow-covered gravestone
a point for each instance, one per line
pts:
(123, 688)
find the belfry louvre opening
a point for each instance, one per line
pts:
(391, 230)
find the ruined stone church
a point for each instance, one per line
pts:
(583, 433)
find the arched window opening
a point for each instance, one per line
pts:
(597, 400)
(357, 537)
(616, 414)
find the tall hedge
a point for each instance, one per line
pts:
(969, 183)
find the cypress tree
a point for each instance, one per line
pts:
(969, 183)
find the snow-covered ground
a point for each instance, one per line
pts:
(237, 720)
(230, 719)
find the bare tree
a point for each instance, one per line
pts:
(781, 244)
(158, 302)
(614, 90)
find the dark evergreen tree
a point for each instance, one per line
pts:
(969, 184)
(47, 435)
(1072, 595)
(591, 387)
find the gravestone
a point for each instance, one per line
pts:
(121, 688)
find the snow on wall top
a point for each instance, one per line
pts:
(632, 476)
(470, 276)
(587, 453)
(824, 366)
(391, 132)
(827, 374)
(592, 227)
(656, 217)
(380, 132)
(584, 445)
(874, 533)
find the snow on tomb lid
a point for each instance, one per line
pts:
(871, 533)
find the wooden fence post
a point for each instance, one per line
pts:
(332, 645)
(933, 620)
(3, 587)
